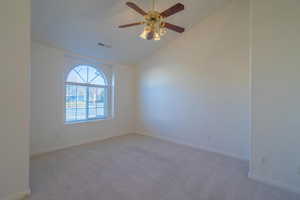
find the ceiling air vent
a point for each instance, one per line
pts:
(104, 45)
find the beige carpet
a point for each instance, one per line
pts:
(137, 167)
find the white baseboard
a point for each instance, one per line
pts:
(19, 196)
(40, 153)
(194, 146)
(274, 183)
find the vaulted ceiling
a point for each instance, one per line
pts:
(78, 25)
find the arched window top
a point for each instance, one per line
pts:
(86, 75)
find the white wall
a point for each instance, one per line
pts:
(196, 90)
(275, 92)
(14, 101)
(48, 131)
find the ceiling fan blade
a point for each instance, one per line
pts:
(171, 11)
(136, 8)
(174, 27)
(150, 35)
(133, 24)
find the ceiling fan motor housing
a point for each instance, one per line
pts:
(153, 17)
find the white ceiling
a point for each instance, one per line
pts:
(78, 25)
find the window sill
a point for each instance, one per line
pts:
(88, 121)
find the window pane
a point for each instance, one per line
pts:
(92, 102)
(100, 105)
(70, 114)
(92, 74)
(92, 113)
(101, 95)
(82, 72)
(99, 80)
(80, 115)
(70, 96)
(70, 103)
(96, 102)
(81, 103)
(86, 74)
(100, 111)
(74, 77)
(92, 97)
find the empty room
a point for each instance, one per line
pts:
(150, 100)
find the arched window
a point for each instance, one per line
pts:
(87, 91)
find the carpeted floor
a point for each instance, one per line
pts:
(138, 167)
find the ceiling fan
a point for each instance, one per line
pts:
(155, 26)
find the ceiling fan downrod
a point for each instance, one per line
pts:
(153, 5)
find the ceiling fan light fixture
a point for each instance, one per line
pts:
(145, 33)
(156, 37)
